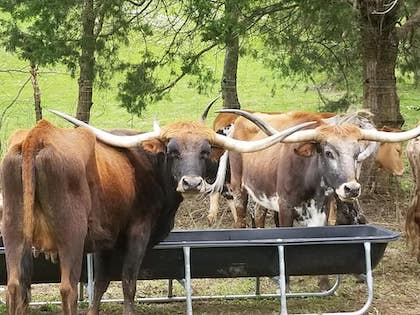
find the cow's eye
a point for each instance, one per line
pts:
(329, 154)
(204, 154)
(174, 153)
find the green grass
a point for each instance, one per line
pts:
(59, 91)
(258, 89)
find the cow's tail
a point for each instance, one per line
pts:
(412, 225)
(29, 150)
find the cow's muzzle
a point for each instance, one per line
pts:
(191, 184)
(349, 191)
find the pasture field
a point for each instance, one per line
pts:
(396, 278)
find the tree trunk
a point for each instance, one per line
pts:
(230, 68)
(379, 49)
(37, 92)
(379, 53)
(86, 62)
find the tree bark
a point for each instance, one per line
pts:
(37, 92)
(86, 62)
(379, 49)
(230, 68)
(380, 41)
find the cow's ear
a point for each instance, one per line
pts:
(154, 145)
(306, 149)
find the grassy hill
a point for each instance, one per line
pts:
(258, 89)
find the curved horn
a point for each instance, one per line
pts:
(386, 136)
(252, 146)
(303, 135)
(206, 111)
(268, 130)
(109, 138)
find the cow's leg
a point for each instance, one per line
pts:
(17, 250)
(260, 215)
(240, 200)
(240, 196)
(137, 241)
(103, 264)
(231, 205)
(214, 208)
(19, 267)
(71, 257)
(285, 215)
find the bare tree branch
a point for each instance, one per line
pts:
(183, 73)
(13, 70)
(3, 113)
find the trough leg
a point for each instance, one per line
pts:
(90, 284)
(282, 281)
(187, 266)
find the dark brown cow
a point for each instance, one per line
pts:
(412, 223)
(66, 193)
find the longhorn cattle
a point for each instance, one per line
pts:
(71, 191)
(296, 177)
(412, 223)
(387, 157)
(223, 124)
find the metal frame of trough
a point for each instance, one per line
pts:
(362, 244)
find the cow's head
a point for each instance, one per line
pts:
(338, 153)
(186, 146)
(340, 145)
(389, 155)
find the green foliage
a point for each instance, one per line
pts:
(50, 32)
(313, 39)
(138, 89)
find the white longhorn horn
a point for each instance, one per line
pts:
(300, 136)
(109, 138)
(256, 145)
(156, 126)
(387, 136)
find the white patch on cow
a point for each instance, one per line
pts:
(269, 202)
(226, 130)
(341, 192)
(310, 215)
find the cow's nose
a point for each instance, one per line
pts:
(190, 183)
(352, 190)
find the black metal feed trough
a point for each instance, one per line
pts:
(252, 253)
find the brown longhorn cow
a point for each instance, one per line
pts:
(71, 191)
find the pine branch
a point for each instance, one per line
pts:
(409, 27)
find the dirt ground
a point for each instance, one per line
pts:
(396, 278)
